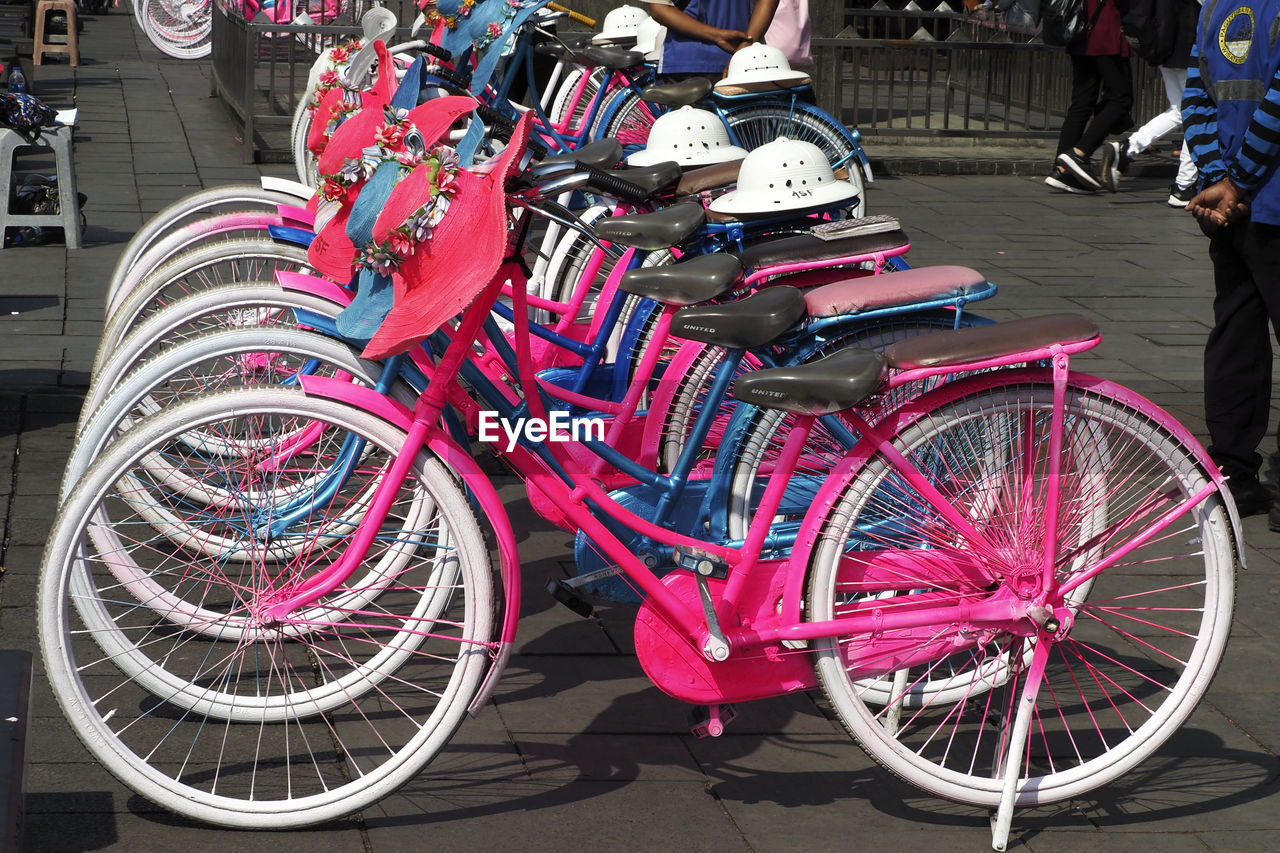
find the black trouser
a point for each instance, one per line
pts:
(1237, 357)
(1091, 75)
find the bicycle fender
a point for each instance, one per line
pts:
(483, 492)
(293, 188)
(301, 282)
(296, 236)
(296, 216)
(860, 155)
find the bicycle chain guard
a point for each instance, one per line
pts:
(681, 671)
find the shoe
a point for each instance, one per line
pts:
(1080, 168)
(1251, 497)
(1179, 197)
(1115, 163)
(1066, 181)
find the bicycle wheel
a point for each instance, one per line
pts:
(224, 262)
(1140, 642)
(758, 124)
(627, 118)
(241, 224)
(564, 100)
(263, 306)
(198, 205)
(290, 723)
(179, 28)
(305, 163)
(211, 362)
(204, 365)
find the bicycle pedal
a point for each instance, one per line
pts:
(564, 594)
(710, 720)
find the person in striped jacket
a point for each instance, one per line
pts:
(1231, 120)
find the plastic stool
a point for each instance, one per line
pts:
(58, 139)
(41, 47)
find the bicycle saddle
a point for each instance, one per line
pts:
(978, 343)
(651, 179)
(708, 177)
(835, 383)
(601, 154)
(869, 292)
(659, 230)
(686, 283)
(750, 322)
(611, 58)
(684, 93)
(806, 247)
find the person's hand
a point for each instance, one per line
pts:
(730, 41)
(1219, 205)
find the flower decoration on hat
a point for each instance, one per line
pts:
(339, 57)
(387, 255)
(393, 139)
(383, 140)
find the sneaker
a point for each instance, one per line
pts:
(1251, 497)
(1066, 181)
(1179, 197)
(1110, 174)
(1080, 168)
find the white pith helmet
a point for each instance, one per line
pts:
(689, 136)
(650, 36)
(760, 63)
(784, 175)
(620, 25)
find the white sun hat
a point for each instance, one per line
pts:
(620, 25)
(650, 36)
(760, 65)
(690, 137)
(784, 175)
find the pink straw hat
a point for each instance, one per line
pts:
(467, 246)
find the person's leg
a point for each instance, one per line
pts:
(1117, 100)
(1166, 122)
(1237, 357)
(1085, 82)
(1262, 253)
(1187, 173)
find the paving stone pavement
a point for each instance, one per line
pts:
(577, 749)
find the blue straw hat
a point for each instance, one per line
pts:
(483, 25)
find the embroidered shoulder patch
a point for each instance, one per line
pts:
(1235, 36)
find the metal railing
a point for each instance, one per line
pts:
(957, 88)
(260, 68)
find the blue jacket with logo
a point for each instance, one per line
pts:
(1231, 104)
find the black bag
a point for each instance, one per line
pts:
(1150, 29)
(1062, 22)
(26, 114)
